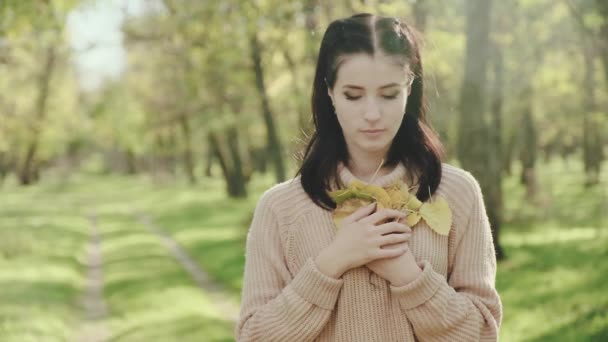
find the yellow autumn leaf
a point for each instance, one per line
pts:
(397, 197)
(339, 193)
(393, 187)
(413, 203)
(339, 196)
(348, 207)
(375, 191)
(412, 219)
(437, 215)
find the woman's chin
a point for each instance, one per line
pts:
(374, 147)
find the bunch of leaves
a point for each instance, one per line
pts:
(435, 212)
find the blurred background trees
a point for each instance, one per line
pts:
(222, 88)
(209, 103)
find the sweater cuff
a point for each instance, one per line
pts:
(420, 290)
(315, 287)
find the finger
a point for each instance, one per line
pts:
(392, 239)
(392, 227)
(382, 215)
(386, 253)
(361, 213)
(396, 245)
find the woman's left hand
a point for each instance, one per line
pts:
(398, 271)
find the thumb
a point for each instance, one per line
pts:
(363, 212)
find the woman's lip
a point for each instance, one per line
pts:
(373, 133)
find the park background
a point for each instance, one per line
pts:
(136, 137)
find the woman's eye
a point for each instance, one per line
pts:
(356, 97)
(351, 97)
(390, 97)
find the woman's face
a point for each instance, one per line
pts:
(369, 96)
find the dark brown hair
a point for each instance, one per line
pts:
(416, 144)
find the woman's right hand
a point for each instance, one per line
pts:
(360, 239)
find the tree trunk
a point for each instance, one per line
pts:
(273, 141)
(311, 15)
(495, 168)
(28, 173)
(304, 117)
(602, 9)
(188, 158)
(476, 146)
(209, 161)
(472, 142)
(258, 158)
(131, 162)
(230, 162)
(169, 153)
(238, 178)
(3, 167)
(508, 152)
(528, 147)
(591, 158)
(162, 166)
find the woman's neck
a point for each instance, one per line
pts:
(367, 167)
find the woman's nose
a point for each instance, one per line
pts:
(372, 110)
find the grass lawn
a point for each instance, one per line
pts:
(552, 283)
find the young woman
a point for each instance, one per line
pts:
(371, 277)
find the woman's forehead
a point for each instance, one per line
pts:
(371, 71)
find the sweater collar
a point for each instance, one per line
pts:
(396, 174)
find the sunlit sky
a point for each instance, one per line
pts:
(95, 35)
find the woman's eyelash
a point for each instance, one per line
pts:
(353, 98)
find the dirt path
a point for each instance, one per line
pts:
(216, 292)
(93, 329)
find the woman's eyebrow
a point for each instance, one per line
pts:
(382, 87)
(352, 86)
(391, 85)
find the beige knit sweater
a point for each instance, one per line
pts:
(286, 298)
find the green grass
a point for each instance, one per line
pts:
(40, 270)
(44, 231)
(552, 283)
(150, 296)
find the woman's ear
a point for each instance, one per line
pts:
(331, 95)
(409, 87)
(410, 83)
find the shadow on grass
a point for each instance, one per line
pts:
(214, 234)
(223, 212)
(150, 296)
(223, 260)
(37, 310)
(136, 262)
(560, 286)
(46, 237)
(128, 285)
(587, 326)
(43, 293)
(187, 328)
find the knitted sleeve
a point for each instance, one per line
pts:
(276, 306)
(467, 306)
